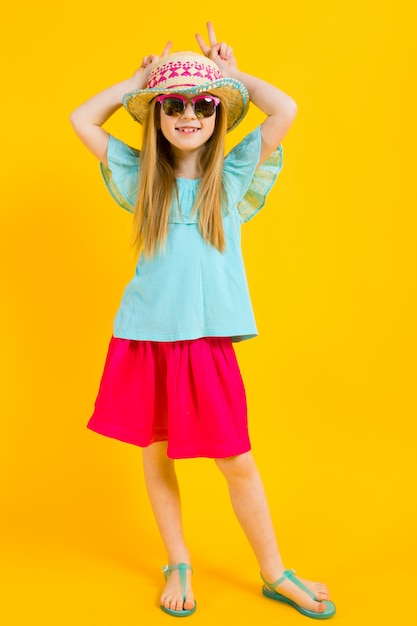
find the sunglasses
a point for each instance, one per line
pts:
(174, 106)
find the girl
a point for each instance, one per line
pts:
(171, 383)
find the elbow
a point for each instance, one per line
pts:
(291, 109)
(74, 119)
(289, 113)
(79, 123)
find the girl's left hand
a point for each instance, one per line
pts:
(220, 53)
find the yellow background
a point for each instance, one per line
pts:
(331, 264)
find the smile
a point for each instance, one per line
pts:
(187, 129)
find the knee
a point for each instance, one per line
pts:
(156, 461)
(237, 467)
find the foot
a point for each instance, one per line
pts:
(288, 589)
(173, 595)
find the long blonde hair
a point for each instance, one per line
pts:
(157, 186)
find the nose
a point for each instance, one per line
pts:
(189, 111)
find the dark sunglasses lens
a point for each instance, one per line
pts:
(173, 106)
(204, 107)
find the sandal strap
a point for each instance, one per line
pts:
(289, 574)
(182, 568)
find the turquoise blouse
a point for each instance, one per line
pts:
(190, 289)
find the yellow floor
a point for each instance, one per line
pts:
(114, 584)
(79, 545)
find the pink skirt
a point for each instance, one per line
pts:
(188, 393)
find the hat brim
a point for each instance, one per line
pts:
(231, 92)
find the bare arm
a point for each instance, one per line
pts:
(88, 119)
(279, 108)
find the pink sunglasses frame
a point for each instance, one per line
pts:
(185, 101)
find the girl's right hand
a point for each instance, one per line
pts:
(88, 119)
(148, 62)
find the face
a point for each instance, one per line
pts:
(184, 124)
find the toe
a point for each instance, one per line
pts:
(319, 607)
(322, 594)
(167, 603)
(188, 605)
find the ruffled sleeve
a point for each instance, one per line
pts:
(121, 174)
(239, 167)
(262, 181)
(246, 186)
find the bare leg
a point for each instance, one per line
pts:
(251, 508)
(164, 495)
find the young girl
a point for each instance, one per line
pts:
(171, 383)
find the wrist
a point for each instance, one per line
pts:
(237, 75)
(137, 81)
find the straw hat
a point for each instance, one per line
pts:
(189, 73)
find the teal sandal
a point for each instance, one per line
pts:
(182, 568)
(269, 591)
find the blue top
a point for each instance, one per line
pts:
(190, 289)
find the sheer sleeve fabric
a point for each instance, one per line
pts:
(121, 174)
(246, 185)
